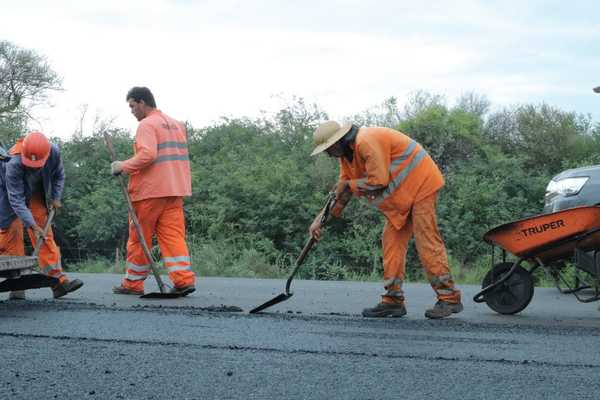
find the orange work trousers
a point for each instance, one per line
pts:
(12, 242)
(431, 250)
(164, 218)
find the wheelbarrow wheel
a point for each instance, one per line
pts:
(512, 295)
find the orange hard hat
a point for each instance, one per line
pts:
(35, 150)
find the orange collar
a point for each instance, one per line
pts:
(16, 149)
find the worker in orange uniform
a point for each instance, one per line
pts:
(31, 182)
(399, 178)
(159, 178)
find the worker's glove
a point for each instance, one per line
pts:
(116, 167)
(39, 232)
(315, 228)
(373, 194)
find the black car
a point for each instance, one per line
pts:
(573, 188)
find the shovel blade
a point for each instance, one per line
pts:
(165, 293)
(159, 295)
(282, 297)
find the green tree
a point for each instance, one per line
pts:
(94, 216)
(545, 136)
(11, 126)
(25, 80)
(449, 136)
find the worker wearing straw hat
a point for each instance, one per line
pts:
(398, 177)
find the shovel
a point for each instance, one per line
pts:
(165, 291)
(40, 239)
(309, 244)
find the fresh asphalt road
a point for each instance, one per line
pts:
(96, 345)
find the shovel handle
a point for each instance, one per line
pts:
(311, 241)
(41, 238)
(134, 218)
(309, 244)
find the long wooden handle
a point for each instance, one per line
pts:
(311, 241)
(41, 238)
(309, 244)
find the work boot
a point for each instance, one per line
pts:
(383, 310)
(123, 290)
(66, 287)
(17, 295)
(443, 309)
(184, 290)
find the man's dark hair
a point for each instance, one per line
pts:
(347, 140)
(138, 93)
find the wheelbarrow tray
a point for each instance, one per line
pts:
(10, 263)
(20, 275)
(549, 237)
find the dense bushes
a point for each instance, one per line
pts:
(256, 189)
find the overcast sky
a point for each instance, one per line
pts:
(206, 59)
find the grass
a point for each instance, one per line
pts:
(98, 265)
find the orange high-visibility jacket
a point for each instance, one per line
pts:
(160, 166)
(393, 165)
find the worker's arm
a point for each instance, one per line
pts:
(16, 192)
(315, 227)
(342, 190)
(146, 149)
(57, 177)
(377, 170)
(342, 198)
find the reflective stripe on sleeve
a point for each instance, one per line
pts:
(171, 158)
(362, 184)
(172, 144)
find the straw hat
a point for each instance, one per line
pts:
(327, 134)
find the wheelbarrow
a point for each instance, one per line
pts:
(19, 270)
(549, 241)
(20, 274)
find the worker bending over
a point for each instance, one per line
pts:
(31, 183)
(402, 181)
